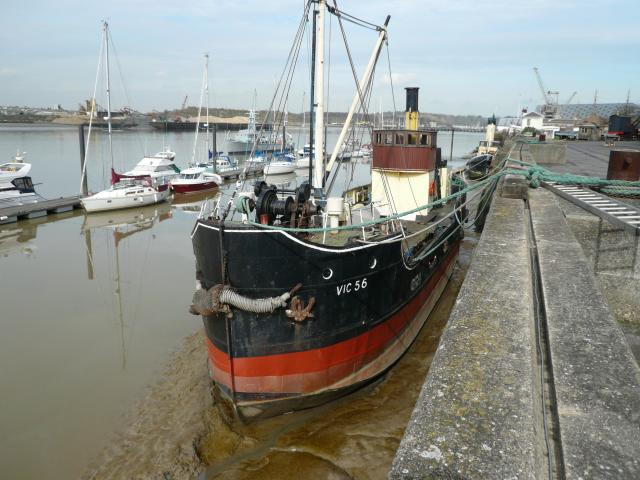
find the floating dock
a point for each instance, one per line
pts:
(38, 209)
(533, 377)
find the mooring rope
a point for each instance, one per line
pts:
(535, 174)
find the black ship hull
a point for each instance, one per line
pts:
(371, 300)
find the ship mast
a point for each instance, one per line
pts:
(318, 150)
(106, 45)
(206, 89)
(312, 98)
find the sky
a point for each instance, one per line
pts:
(467, 56)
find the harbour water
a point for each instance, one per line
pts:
(92, 306)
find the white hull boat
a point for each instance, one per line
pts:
(16, 187)
(279, 167)
(124, 195)
(302, 162)
(159, 167)
(146, 184)
(15, 169)
(195, 180)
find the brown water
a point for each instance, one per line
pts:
(92, 307)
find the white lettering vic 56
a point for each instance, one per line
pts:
(350, 287)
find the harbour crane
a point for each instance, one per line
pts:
(571, 98)
(550, 107)
(184, 102)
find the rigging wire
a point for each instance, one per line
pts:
(293, 51)
(393, 93)
(353, 19)
(93, 108)
(126, 92)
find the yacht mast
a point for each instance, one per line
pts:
(318, 170)
(284, 128)
(202, 88)
(304, 111)
(106, 45)
(206, 89)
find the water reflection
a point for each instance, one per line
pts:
(16, 239)
(19, 237)
(122, 225)
(193, 203)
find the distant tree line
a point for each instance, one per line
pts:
(333, 117)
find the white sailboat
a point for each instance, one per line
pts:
(283, 161)
(199, 176)
(123, 192)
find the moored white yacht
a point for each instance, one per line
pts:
(280, 163)
(159, 167)
(11, 170)
(126, 193)
(147, 187)
(16, 187)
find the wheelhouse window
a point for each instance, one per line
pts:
(388, 138)
(399, 139)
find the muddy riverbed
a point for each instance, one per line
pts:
(180, 431)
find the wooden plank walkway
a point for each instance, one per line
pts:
(38, 209)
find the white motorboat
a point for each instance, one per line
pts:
(195, 180)
(16, 187)
(145, 188)
(159, 167)
(11, 170)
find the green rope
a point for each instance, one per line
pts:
(535, 175)
(616, 191)
(441, 201)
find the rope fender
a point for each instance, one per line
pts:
(220, 299)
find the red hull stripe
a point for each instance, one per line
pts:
(338, 360)
(193, 188)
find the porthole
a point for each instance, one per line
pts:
(327, 273)
(373, 262)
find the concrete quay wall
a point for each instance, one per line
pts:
(483, 411)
